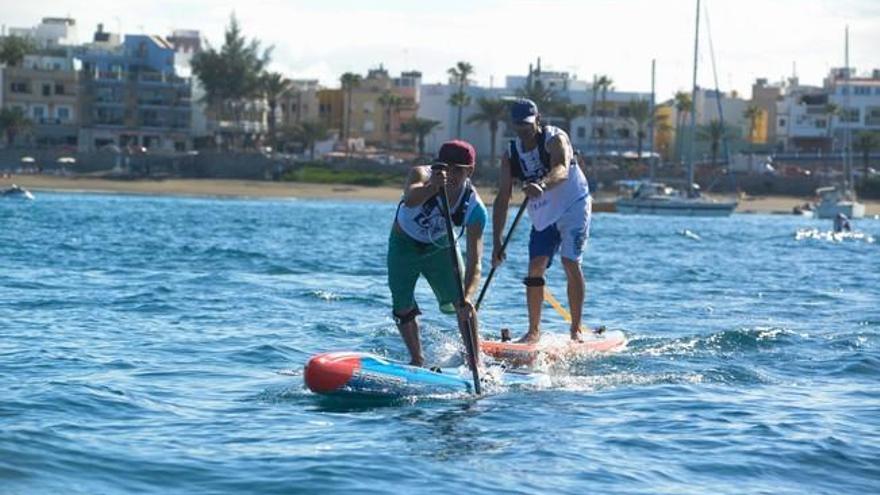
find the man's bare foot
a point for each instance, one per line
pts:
(576, 335)
(530, 337)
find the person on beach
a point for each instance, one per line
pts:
(541, 158)
(418, 242)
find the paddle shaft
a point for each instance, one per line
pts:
(519, 214)
(468, 332)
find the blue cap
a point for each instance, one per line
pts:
(524, 110)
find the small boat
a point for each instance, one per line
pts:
(655, 198)
(835, 200)
(16, 192)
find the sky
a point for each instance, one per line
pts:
(322, 39)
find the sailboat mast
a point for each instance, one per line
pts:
(693, 125)
(651, 125)
(848, 179)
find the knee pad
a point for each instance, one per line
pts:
(403, 319)
(534, 281)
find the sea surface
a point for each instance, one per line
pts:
(156, 345)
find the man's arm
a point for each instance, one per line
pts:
(474, 255)
(421, 185)
(560, 160)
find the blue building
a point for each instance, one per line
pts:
(132, 96)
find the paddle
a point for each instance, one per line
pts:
(468, 333)
(519, 213)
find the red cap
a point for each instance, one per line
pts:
(457, 152)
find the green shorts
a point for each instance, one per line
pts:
(407, 259)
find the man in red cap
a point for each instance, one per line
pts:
(418, 244)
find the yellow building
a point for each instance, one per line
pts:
(380, 104)
(664, 130)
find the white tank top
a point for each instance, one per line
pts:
(427, 223)
(547, 209)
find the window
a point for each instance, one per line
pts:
(581, 132)
(59, 89)
(862, 90)
(872, 116)
(19, 87)
(850, 115)
(39, 113)
(820, 123)
(47, 90)
(63, 113)
(781, 122)
(369, 126)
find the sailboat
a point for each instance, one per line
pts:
(654, 198)
(834, 200)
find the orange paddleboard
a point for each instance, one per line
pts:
(553, 347)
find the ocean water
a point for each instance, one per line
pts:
(156, 345)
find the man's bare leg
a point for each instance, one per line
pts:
(410, 332)
(535, 299)
(576, 290)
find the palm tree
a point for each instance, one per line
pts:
(566, 112)
(12, 122)
(830, 110)
(460, 73)
(309, 133)
(491, 112)
(604, 83)
(683, 106)
(349, 81)
(713, 132)
(420, 128)
(866, 142)
(639, 116)
(752, 113)
(389, 101)
(274, 85)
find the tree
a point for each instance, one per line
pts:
(391, 103)
(830, 110)
(232, 76)
(567, 112)
(274, 85)
(459, 74)
(752, 113)
(309, 133)
(866, 142)
(491, 111)
(683, 107)
(349, 81)
(420, 128)
(14, 48)
(639, 116)
(13, 122)
(713, 132)
(603, 84)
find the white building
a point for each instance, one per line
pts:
(818, 118)
(619, 132)
(51, 32)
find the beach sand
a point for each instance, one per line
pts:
(266, 189)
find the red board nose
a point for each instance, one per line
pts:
(331, 371)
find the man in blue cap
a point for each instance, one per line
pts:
(541, 158)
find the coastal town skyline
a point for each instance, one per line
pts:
(431, 38)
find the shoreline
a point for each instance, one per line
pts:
(235, 188)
